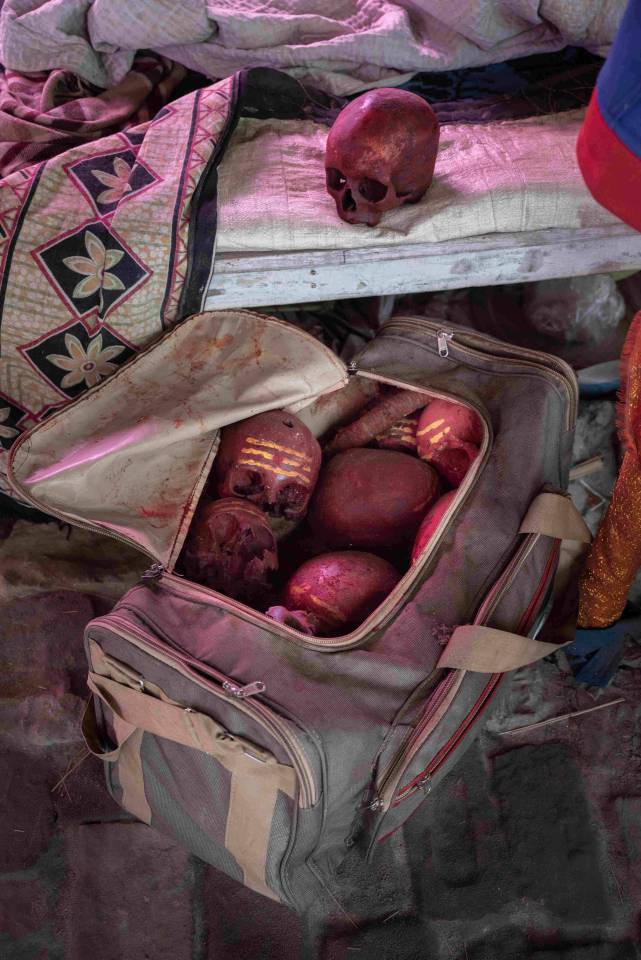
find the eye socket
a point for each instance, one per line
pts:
(334, 178)
(372, 190)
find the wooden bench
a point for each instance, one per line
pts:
(265, 279)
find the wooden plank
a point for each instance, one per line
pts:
(260, 279)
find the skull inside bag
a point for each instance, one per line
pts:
(380, 154)
(231, 548)
(272, 460)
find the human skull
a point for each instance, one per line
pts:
(339, 590)
(400, 436)
(430, 523)
(371, 499)
(380, 154)
(231, 548)
(272, 460)
(449, 436)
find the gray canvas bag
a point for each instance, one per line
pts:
(266, 752)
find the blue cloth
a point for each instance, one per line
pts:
(595, 655)
(619, 83)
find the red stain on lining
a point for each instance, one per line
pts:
(222, 342)
(157, 513)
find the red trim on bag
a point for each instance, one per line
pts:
(487, 693)
(534, 602)
(446, 749)
(610, 169)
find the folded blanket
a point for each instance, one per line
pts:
(339, 46)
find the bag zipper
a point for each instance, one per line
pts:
(243, 698)
(388, 607)
(463, 340)
(444, 694)
(486, 694)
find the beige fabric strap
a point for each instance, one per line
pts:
(165, 718)
(89, 727)
(127, 753)
(256, 775)
(252, 799)
(131, 777)
(486, 650)
(554, 515)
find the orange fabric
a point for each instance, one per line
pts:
(615, 555)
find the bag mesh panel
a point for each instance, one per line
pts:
(188, 792)
(278, 839)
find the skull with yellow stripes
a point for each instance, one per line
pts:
(272, 460)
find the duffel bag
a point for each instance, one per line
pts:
(264, 750)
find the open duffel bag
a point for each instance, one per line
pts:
(266, 751)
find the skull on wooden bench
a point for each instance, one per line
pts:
(380, 154)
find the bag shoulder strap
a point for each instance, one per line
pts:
(487, 650)
(554, 515)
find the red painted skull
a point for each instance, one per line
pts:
(272, 460)
(400, 436)
(340, 589)
(431, 521)
(380, 154)
(371, 499)
(231, 548)
(448, 437)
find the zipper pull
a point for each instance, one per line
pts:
(154, 572)
(442, 338)
(241, 693)
(425, 783)
(352, 368)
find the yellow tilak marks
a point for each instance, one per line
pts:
(439, 436)
(431, 426)
(336, 614)
(273, 469)
(258, 453)
(277, 446)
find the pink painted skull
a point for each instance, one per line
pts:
(272, 460)
(380, 154)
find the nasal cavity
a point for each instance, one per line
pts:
(372, 190)
(347, 202)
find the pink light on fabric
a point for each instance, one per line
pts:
(93, 449)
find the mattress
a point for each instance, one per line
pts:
(502, 177)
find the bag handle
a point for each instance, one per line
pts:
(166, 718)
(554, 515)
(488, 650)
(91, 735)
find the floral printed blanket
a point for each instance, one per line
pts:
(107, 243)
